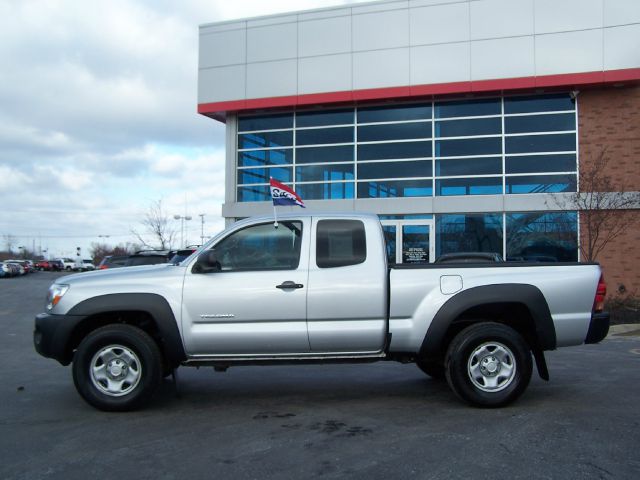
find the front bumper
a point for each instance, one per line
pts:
(598, 328)
(52, 335)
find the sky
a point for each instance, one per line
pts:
(98, 119)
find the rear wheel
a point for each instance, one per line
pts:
(488, 365)
(117, 368)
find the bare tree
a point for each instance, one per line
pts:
(606, 209)
(9, 242)
(156, 224)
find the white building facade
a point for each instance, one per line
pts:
(457, 122)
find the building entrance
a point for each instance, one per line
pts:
(409, 241)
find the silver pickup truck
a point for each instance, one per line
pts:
(317, 288)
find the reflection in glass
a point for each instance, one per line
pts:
(564, 142)
(257, 158)
(541, 163)
(317, 136)
(394, 113)
(542, 236)
(468, 108)
(324, 117)
(384, 151)
(469, 146)
(265, 139)
(254, 194)
(469, 186)
(395, 188)
(415, 244)
(540, 123)
(417, 168)
(261, 175)
(248, 123)
(342, 153)
(325, 191)
(400, 131)
(541, 184)
(538, 103)
(390, 242)
(470, 127)
(469, 166)
(318, 173)
(469, 233)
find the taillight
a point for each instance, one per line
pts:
(103, 267)
(601, 293)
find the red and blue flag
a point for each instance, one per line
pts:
(283, 195)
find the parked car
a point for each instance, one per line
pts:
(180, 255)
(23, 268)
(43, 265)
(67, 263)
(112, 261)
(56, 265)
(85, 266)
(147, 257)
(5, 270)
(13, 268)
(317, 289)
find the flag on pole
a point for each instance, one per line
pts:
(283, 195)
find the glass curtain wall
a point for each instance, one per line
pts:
(511, 145)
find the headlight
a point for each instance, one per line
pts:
(56, 292)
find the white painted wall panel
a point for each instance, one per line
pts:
(221, 84)
(501, 18)
(439, 24)
(272, 79)
(327, 13)
(379, 6)
(272, 42)
(426, 3)
(448, 62)
(621, 12)
(222, 27)
(567, 15)
(373, 31)
(502, 58)
(381, 68)
(223, 48)
(328, 73)
(325, 37)
(622, 47)
(569, 52)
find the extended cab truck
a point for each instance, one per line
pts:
(316, 288)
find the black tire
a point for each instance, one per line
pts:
(487, 353)
(132, 354)
(434, 369)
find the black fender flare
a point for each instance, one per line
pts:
(151, 303)
(528, 295)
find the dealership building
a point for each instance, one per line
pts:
(464, 124)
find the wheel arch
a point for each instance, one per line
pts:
(520, 306)
(150, 312)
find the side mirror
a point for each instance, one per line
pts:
(207, 262)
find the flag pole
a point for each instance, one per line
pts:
(275, 214)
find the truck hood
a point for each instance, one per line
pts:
(123, 274)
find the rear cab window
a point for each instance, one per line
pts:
(340, 243)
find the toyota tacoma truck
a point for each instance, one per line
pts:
(317, 288)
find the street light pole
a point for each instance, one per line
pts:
(182, 220)
(201, 215)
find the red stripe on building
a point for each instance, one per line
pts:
(218, 110)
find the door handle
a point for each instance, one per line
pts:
(289, 284)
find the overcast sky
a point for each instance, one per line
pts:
(98, 117)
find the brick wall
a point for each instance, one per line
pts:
(609, 119)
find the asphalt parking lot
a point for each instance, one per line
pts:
(382, 420)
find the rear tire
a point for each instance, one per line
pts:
(117, 368)
(488, 365)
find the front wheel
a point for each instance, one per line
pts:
(488, 364)
(117, 368)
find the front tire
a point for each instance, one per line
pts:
(488, 364)
(117, 368)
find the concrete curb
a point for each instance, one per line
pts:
(628, 329)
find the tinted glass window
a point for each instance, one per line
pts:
(470, 146)
(340, 243)
(324, 117)
(261, 247)
(541, 163)
(400, 131)
(468, 108)
(540, 123)
(541, 103)
(261, 175)
(469, 233)
(469, 166)
(464, 128)
(257, 158)
(469, 186)
(265, 122)
(395, 169)
(383, 151)
(324, 135)
(541, 184)
(395, 188)
(343, 153)
(540, 143)
(394, 113)
(542, 237)
(317, 173)
(265, 139)
(253, 194)
(325, 191)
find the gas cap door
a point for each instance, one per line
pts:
(450, 284)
